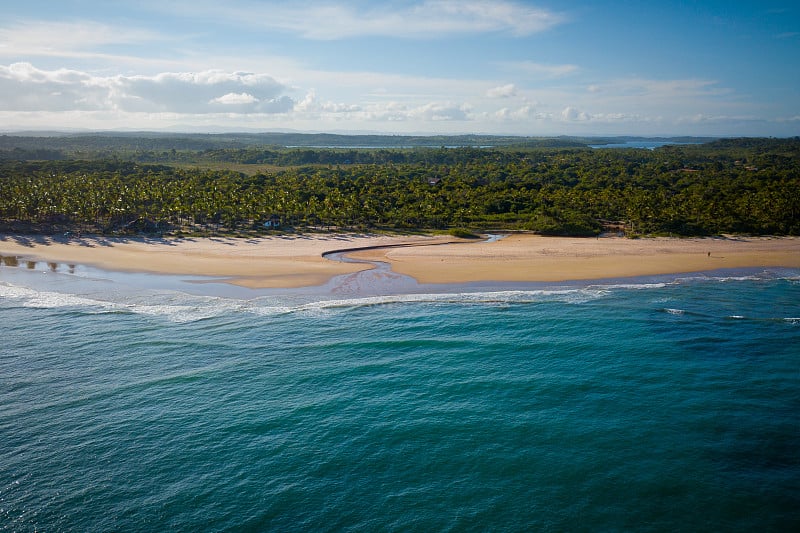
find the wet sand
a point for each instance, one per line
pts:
(296, 261)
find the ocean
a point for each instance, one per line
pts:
(133, 402)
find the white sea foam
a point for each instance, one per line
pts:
(182, 307)
(631, 286)
(268, 307)
(177, 308)
(175, 313)
(48, 299)
(717, 278)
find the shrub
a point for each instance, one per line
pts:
(463, 234)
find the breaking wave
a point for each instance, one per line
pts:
(179, 306)
(183, 307)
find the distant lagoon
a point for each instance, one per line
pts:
(650, 145)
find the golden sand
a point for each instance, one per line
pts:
(297, 260)
(536, 258)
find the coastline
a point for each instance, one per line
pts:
(297, 261)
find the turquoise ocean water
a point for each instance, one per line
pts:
(131, 402)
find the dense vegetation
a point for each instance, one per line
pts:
(734, 185)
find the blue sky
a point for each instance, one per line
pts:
(413, 66)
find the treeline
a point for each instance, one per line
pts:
(281, 149)
(736, 186)
(293, 157)
(151, 146)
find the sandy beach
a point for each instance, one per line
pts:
(536, 258)
(296, 261)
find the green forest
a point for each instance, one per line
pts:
(549, 186)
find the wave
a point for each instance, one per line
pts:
(735, 275)
(686, 313)
(47, 299)
(189, 309)
(177, 306)
(789, 320)
(183, 307)
(731, 317)
(631, 286)
(571, 296)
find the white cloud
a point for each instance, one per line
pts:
(427, 19)
(539, 70)
(442, 111)
(196, 92)
(571, 114)
(310, 104)
(723, 119)
(525, 112)
(649, 102)
(385, 111)
(80, 39)
(651, 88)
(234, 99)
(41, 98)
(27, 73)
(24, 87)
(503, 91)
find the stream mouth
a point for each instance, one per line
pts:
(380, 279)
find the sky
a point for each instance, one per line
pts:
(507, 67)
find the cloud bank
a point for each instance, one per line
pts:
(32, 97)
(24, 87)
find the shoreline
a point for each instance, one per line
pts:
(297, 261)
